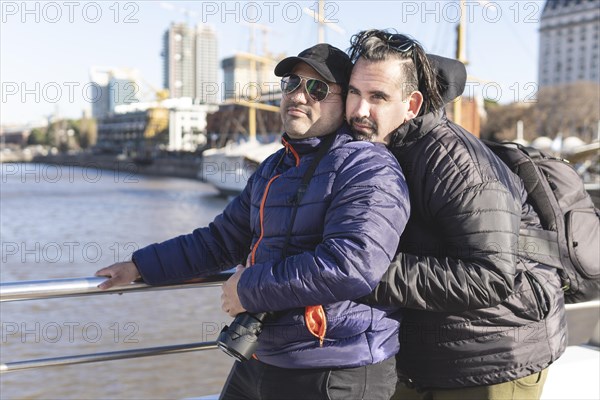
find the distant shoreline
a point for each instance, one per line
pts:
(187, 168)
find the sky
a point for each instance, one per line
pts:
(48, 47)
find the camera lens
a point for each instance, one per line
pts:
(241, 338)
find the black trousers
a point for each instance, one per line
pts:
(258, 381)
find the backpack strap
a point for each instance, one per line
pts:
(540, 246)
(531, 151)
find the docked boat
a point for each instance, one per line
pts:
(229, 168)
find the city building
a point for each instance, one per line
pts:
(207, 65)
(187, 125)
(241, 82)
(179, 61)
(111, 87)
(14, 135)
(190, 62)
(569, 42)
(173, 124)
(126, 131)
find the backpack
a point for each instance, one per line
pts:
(570, 239)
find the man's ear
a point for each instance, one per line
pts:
(415, 101)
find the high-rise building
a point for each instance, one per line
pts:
(569, 44)
(190, 62)
(179, 60)
(207, 65)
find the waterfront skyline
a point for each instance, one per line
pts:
(48, 48)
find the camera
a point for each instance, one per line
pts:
(241, 338)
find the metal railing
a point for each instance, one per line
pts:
(59, 288)
(55, 288)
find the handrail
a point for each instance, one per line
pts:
(55, 288)
(106, 356)
(70, 287)
(583, 306)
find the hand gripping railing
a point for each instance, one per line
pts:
(58, 288)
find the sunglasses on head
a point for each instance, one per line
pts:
(396, 41)
(316, 89)
(399, 42)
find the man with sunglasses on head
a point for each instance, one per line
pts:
(479, 320)
(318, 223)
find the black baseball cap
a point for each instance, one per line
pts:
(330, 62)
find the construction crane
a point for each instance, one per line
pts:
(252, 106)
(253, 60)
(265, 30)
(157, 116)
(159, 94)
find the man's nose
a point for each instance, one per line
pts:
(299, 95)
(361, 109)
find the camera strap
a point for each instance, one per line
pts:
(325, 146)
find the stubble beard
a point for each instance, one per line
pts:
(296, 125)
(361, 135)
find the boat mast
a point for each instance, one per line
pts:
(319, 18)
(321, 37)
(461, 35)
(253, 102)
(253, 83)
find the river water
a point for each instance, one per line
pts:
(65, 222)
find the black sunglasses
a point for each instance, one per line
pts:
(316, 89)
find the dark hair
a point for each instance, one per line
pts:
(379, 45)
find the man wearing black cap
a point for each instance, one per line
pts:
(317, 224)
(479, 320)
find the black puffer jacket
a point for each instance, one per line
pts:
(475, 313)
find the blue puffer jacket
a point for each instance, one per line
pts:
(345, 234)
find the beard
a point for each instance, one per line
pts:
(371, 133)
(362, 135)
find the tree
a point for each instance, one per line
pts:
(37, 136)
(573, 110)
(501, 123)
(87, 133)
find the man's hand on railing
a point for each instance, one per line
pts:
(120, 274)
(230, 301)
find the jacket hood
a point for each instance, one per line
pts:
(452, 78)
(451, 75)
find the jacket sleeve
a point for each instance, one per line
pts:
(480, 228)
(362, 226)
(205, 251)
